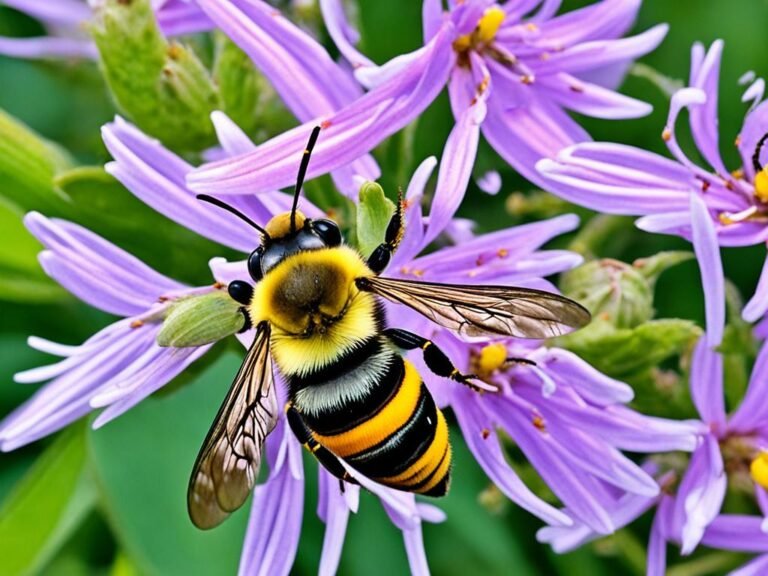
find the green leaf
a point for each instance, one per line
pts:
(46, 506)
(143, 461)
(162, 87)
(622, 353)
(200, 320)
(373, 214)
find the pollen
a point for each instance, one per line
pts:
(538, 423)
(325, 124)
(666, 135)
(137, 324)
(489, 24)
(758, 469)
(219, 285)
(485, 433)
(492, 357)
(761, 186)
(502, 252)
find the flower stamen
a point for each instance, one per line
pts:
(483, 34)
(758, 469)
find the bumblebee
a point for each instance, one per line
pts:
(352, 397)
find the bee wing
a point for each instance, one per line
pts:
(228, 464)
(483, 310)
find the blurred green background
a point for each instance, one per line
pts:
(113, 501)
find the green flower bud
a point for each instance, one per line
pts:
(199, 320)
(611, 290)
(373, 214)
(162, 87)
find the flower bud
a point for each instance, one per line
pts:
(162, 87)
(373, 214)
(199, 320)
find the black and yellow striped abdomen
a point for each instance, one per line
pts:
(389, 428)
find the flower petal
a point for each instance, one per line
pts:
(753, 410)
(590, 99)
(707, 385)
(754, 128)
(758, 304)
(347, 135)
(342, 33)
(335, 514)
(606, 19)
(703, 119)
(47, 47)
(708, 255)
(736, 532)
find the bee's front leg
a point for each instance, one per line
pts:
(382, 254)
(304, 435)
(435, 359)
(242, 292)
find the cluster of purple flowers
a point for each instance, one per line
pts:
(513, 71)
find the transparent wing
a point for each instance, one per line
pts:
(228, 464)
(483, 310)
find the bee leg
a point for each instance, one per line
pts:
(382, 254)
(434, 358)
(240, 291)
(304, 435)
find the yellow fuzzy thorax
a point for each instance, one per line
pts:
(297, 345)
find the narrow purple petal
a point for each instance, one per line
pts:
(95, 270)
(691, 99)
(597, 54)
(701, 493)
(606, 19)
(47, 47)
(431, 18)
(490, 182)
(274, 527)
(343, 35)
(488, 453)
(413, 237)
(157, 177)
(753, 410)
(591, 384)
(414, 548)
(758, 304)
(179, 17)
(578, 491)
(703, 119)
(707, 385)
(590, 99)
(66, 12)
(347, 135)
(666, 222)
(736, 532)
(708, 254)
(456, 167)
(231, 137)
(335, 516)
(525, 135)
(657, 541)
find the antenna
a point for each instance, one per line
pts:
(235, 211)
(302, 173)
(756, 155)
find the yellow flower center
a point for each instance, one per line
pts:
(761, 185)
(758, 469)
(484, 33)
(492, 357)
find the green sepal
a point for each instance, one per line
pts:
(200, 320)
(374, 212)
(652, 267)
(163, 87)
(627, 351)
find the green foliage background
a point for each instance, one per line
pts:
(112, 501)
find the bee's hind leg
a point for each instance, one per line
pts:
(304, 435)
(434, 358)
(382, 254)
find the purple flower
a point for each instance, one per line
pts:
(118, 366)
(710, 206)
(510, 73)
(65, 20)
(691, 499)
(302, 72)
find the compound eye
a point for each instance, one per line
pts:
(328, 231)
(254, 264)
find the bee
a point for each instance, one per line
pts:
(316, 306)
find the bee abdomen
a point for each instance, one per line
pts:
(404, 444)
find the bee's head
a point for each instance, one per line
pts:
(283, 239)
